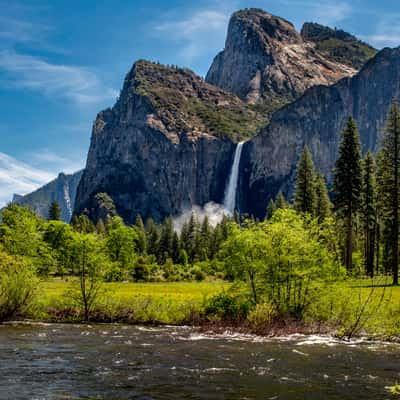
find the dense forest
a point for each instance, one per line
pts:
(323, 235)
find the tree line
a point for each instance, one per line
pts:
(364, 197)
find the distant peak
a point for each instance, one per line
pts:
(265, 24)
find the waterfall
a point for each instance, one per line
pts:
(230, 191)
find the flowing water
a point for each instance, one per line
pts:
(125, 362)
(230, 191)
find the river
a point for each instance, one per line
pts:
(55, 361)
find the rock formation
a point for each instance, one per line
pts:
(62, 190)
(267, 61)
(317, 119)
(167, 144)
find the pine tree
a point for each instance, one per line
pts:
(323, 204)
(368, 211)
(153, 237)
(389, 186)
(176, 249)
(100, 227)
(280, 201)
(205, 238)
(166, 238)
(54, 211)
(141, 232)
(347, 183)
(271, 208)
(305, 196)
(193, 227)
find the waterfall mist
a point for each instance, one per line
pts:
(214, 211)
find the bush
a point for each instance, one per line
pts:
(113, 273)
(18, 285)
(226, 307)
(262, 315)
(197, 274)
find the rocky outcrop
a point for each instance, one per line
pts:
(167, 144)
(266, 61)
(317, 119)
(338, 45)
(62, 190)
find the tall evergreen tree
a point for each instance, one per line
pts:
(271, 208)
(305, 196)
(166, 239)
(368, 211)
(347, 183)
(205, 238)
(153, 237)
(54, 211)
(176, 249)
(389, 186)
(280, 201)
(141, 233)
(323, 204)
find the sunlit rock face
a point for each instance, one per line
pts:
(167, 144)
(267, 61)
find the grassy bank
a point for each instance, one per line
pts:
(166, 303)
(351, 308)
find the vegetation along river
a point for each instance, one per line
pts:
(52, 361)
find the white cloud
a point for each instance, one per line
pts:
(63, 81)
(387, 32)
(199, 33)
(332, 12)
(18, 177)
(49, 160)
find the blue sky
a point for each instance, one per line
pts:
(63, 61)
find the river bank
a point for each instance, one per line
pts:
(351, 309)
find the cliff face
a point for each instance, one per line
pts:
(267, 61)
(62, 190)
(317, 119)
(167, 144)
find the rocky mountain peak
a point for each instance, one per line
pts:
(178, 103)
(265, 25)
(266, 61)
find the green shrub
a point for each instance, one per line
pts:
(226, 307)
(113, 274)
(197, 274)
(18, 285)
(262, 315)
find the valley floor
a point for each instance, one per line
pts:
(352, 308)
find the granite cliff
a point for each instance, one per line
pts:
(62, 190)
(317, 119)
(169, 141)
(167, 144)
(266, 61)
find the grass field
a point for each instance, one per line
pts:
(173, 302)
(353, 307)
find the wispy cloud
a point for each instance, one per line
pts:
(196, 33)
(387, 32)
(52, 161)
(78, 84)
(329, 13)
(18, 177)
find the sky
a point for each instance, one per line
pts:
(63, 61)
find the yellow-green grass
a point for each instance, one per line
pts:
(173, 302)
(367, 306)
(364, 306)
